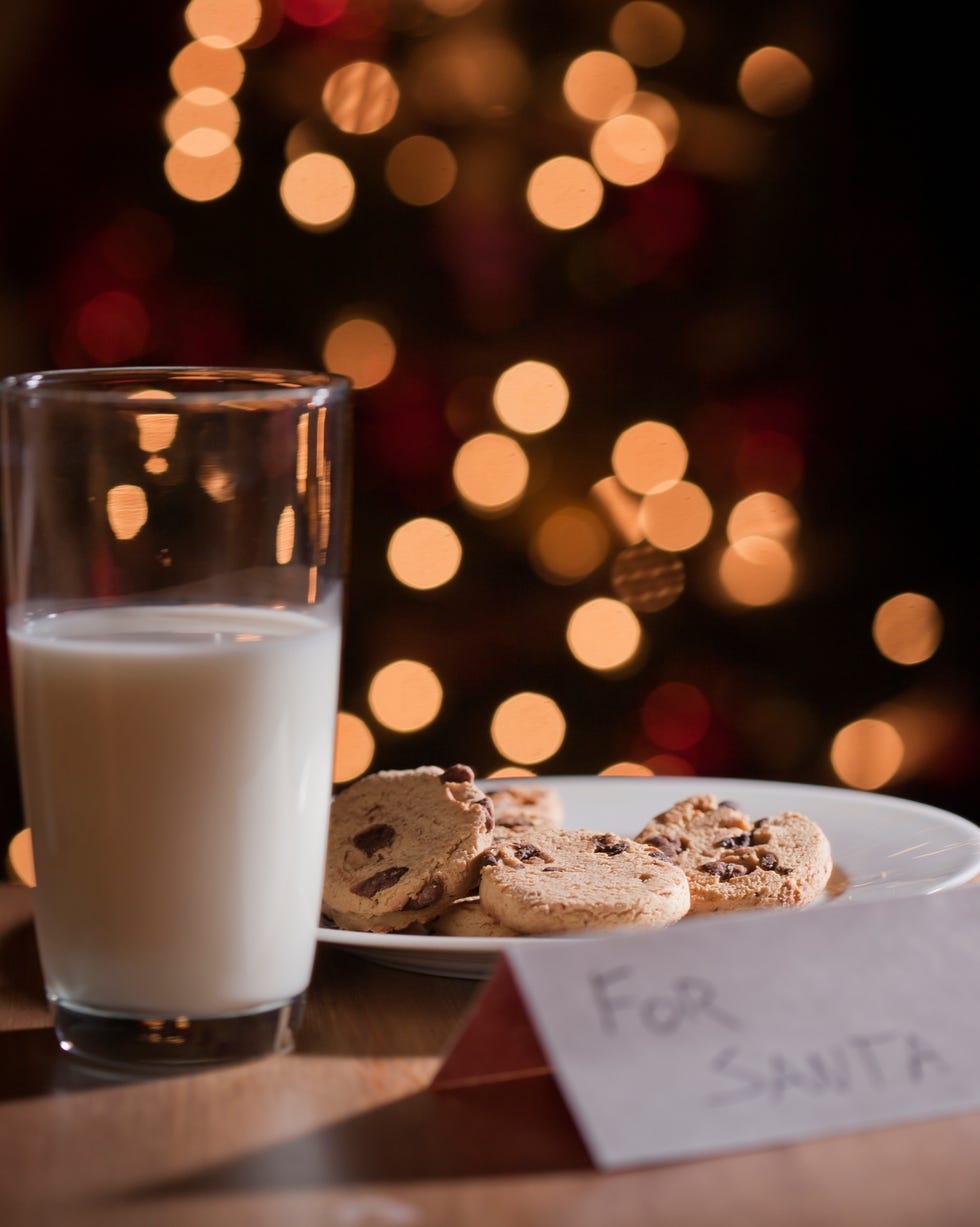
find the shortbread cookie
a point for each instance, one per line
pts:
(528, 806)
(732, 862)
(403, 845)
(469, 918)
(559, 881)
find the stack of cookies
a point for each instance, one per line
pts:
(427, 851)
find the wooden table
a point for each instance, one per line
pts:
(345, 1132)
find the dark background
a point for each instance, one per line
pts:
(823, 294)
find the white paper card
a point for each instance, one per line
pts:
(739, 1031)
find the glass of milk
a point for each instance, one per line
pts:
(175, 544)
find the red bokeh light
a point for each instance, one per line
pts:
(313, 12)
(769, 460)
(113, 327)
(676, 716)
(669, 764)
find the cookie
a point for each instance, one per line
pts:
(561, 881)
(530, 807)
(402, 846)
(468, 918)
(732, 862)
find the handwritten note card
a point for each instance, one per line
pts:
(731, 1032)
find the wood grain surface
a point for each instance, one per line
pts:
(344, 1131)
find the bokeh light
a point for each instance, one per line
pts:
(317, 190)
(360, 97)
(763, 514)
(202, 108)
(113, 327)
(769, 460)
(774, 82)
(647, 454)
(907, 628)
(313, 13)
(405, 696)
(421, 170)
(20, 858)
(669, 764)
(467, 74)
(676, 715)
(491, 472)
(604, 634)
(530, 397)
(626, 768)
(569, 544)
(209, 63)
(564, 193)
(621, 508)
(528, 727)
(285, 536)
(235, 21)
(647, 33)
(511, 773)
(628, 149)
(660, 111)
(354, 747)
(202, 165)
(646, 578)
(867, 753)
(756, 571)
(156, 430)
(676, 517)
(362, 349)
(424, 553)
(598, 85)
(127, 511)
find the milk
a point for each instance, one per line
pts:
(176, 765)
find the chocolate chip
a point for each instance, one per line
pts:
(488, 806)
(525, 852)
(430, 893)
(724, 869)
(610, 845)
(735, 841)
(380, 881)
(658, 854)
(485, 860)
(373, 839)
(729, 805)
(458, 774)
(768, 861)
(667, 846)
(759, 822)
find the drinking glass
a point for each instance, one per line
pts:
(175, 545)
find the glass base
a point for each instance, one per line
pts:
(162, 1045)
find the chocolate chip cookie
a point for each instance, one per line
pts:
(528, 806)
(469, 918)
(559, 881)
(734, 862)
(403, 845)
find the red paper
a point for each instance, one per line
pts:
(497, 1041)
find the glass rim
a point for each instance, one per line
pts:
(111, 383)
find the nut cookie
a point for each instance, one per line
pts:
(469, 918)
(402, 845)
(734, 862)
(530, 807)
(560, 881)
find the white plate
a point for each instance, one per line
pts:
(882, 846)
